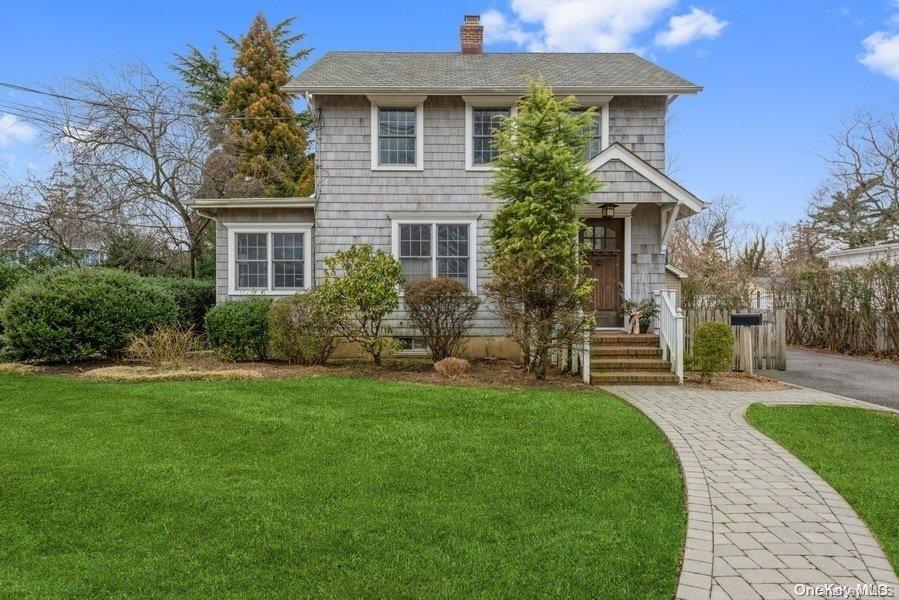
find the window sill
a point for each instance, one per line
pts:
(397, 168)
(480, 168)
(266, 292)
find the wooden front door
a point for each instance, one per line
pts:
(603, 243)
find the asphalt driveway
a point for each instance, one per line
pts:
(857, 378)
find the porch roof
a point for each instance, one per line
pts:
(688, 202)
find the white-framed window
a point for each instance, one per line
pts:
(397, 133)
(437, 247)
(595, 132)
(483, 114)
(599, 139)
(269, 258)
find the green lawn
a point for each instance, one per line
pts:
(331, 488)
(855, 450)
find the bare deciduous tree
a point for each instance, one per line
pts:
(858, 204)
(139, 137)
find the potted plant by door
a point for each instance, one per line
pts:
(638, 315)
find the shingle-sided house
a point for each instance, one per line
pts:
(403, 158)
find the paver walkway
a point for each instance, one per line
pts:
(759, 521)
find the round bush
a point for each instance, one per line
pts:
(302, 330)
(239, 328)
(713, 348)
(81, 313)
(194, 298)
(442, 310)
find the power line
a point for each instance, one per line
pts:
(94, 220)
(95, 103)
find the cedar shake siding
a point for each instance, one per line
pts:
(355, 204)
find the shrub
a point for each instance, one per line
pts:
(10, 276)
(361, 287)
(239, 328)
(166, 346)
(301, 329)
(713, 348)
(451, 367)
(81, 313)
(442, 309)
(194, 298)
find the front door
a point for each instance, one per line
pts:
(603, 243)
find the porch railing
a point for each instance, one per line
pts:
(671, 331)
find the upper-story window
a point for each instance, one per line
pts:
(397, 138)
(594, 130)
(484, 124)
(483, 116)
(396, 135)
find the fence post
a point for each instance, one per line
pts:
(780, 333)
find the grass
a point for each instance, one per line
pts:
(332, 488)
(855, 450)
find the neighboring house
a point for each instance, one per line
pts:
(674, 280)
(403, 159)
(859, 257)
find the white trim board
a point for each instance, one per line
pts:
(268, 229)
(618, 152)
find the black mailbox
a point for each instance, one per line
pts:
(746, 319)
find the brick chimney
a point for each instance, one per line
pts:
(471, 34)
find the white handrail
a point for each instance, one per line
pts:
(671, 331)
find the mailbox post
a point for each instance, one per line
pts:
(745, 321)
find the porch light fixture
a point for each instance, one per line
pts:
(607, 209)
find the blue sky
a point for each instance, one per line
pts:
(778, 76)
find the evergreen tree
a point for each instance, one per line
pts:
(537, 264)
(208, 81)
(267, 138)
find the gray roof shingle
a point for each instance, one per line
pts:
(346, 72)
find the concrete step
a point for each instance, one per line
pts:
(644, 351)
(623, 339)
(633, 378)
(631, 364)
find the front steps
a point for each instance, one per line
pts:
(618, 358)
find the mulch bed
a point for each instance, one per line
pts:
(495, 373)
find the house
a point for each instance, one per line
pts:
(403, 157)
(862, 256)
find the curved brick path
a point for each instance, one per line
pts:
(759, 521)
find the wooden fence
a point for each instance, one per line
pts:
(769, 340)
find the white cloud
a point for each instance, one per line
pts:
(683, 29)
(13, 130)
(497, 28)
(881, 53)
(593, 25)
(574, 25)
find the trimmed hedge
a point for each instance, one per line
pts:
(713, 348)
(194, 298)
(65, 316)
(239, 328)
